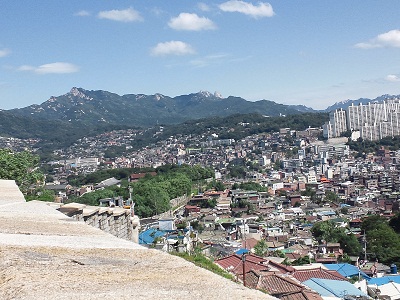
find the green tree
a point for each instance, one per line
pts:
(394, 222)
(216, 185)
(261, 248)
(331, 197)
(328, 231)
(305, 260)
(42, 195)
(21, 167)
(350, 244)
(382, 240)
(93, 198)
(253, 186)
(325, 231)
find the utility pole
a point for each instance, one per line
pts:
(365, 246)
(244, 268)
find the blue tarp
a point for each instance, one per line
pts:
(148, 236)
(383, 280)
(242, 251)
(347, 270)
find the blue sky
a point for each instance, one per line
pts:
(293, 52)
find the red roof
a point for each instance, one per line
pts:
(302, 295)
(191, 207)
(303, 275)
(234, 264)
(280, 286)
(249, 243)
(293, 255)
(356, 221)
(281, 267)
(141, 175)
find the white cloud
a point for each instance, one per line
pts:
(392, 78)
(186, 21)
(4, 52)
(387, 39)
(126, 15)
(52, 68)
(203, 7)
(82, 13)
(262, 9)
(172, 48)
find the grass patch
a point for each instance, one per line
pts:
(205, 263)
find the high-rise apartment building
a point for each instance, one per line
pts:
(373, 120)
(337, 124)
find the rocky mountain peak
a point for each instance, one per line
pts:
(206, 94)
(79, 93)
(218, 95)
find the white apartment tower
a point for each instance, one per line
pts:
(338, 119)
(373, 120)
(337, 124)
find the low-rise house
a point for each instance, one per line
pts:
(347, 270)
(275, 246)
(235, 263)
(305, 274)
(326, 215)
(279, 286)
(135, 177)
(107, 183)
(190, 209)
(335, 289)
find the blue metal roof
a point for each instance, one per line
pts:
(347, 270)
(383, 280)
(242, 251)
(148, 236)
(338, 288)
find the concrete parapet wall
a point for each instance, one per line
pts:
(115, 220)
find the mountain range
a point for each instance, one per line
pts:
(64, 119)
(94, 107)
(346, 103)
(103, 107)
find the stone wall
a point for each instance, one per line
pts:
(115, 220)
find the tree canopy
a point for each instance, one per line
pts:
(151, 194)
(327, 231)
(21, 167)
(383, 243)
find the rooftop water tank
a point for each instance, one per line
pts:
(393, 269)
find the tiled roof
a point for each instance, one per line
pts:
(293, 256)
(275, 284)
(249, 243)
(280, 286)
(303, 275)
(255, 258)
(234, 263)
(249, 266)
(326, 260)
(280, 267)
(302, 295)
